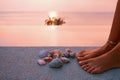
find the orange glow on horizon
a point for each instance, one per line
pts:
(53, 14)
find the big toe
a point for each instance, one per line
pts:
(80, 54)
(83, 58)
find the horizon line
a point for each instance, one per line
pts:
(58, 11)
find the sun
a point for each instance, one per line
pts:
(53, 14)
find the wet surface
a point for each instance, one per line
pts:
(20, 63)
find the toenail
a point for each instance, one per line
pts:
(80, 63)
(78, 58)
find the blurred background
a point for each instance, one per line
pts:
(88, 22)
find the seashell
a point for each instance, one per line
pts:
(72, 54)
(56, 63)
(65, 60)
(43, 53)
(56, 56)
(69, 50)
(66, 54)
(51, 53)
(57, 53)
(47, 59)
(41, 62)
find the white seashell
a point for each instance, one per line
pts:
(41, 62)
(65, 60)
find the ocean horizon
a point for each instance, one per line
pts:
(29, 29)
(38, 17)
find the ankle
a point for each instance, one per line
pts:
(112, 43)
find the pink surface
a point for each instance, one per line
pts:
(61, 36)
(28, 29)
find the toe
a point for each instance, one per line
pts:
(83, 62)
(85, 67)
(90, 69)
(96, 71)
(80, 54)
(78, 58)
(82, 58)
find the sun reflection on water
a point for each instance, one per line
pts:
(49, 28)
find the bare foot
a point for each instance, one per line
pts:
(86, 54)
(103, 62)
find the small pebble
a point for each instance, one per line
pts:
(65, 60)
(56, 63)
(43, 53)
(47, 59)
(41, 62)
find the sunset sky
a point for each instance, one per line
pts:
(24, 27)
(58, 5)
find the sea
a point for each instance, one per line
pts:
(29, 29)
(72, 18)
